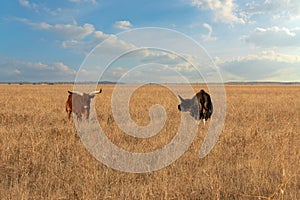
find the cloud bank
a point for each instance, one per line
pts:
(22, 71)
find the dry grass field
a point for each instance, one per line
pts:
(257, 155)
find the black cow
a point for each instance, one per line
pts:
(200, 106)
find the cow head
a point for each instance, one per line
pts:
(80, 103)
(189, 105)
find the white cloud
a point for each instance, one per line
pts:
(27, 4)
(278, 9)
(15, 70)
(274, 37)
(225, 11)
(291, 74)
(69, 43)
(269, 55)
(62, 68)
(123, 25)
(41, 8)
(209, 36)
(70, 31)
(74, 36)
(24, 3)
(99, 35)
(151, 73)
(264, 66)
(153, 66)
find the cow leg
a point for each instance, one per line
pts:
(201, 115)
(69, 113)
(79, 116)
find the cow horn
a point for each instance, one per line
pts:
(95, 92)
(75, 92)
(181, 99)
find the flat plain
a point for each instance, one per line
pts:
(257, 155)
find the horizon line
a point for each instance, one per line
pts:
(154, 83)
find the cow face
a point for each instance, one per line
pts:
(85, 105)
(185, 104)
(190, 105)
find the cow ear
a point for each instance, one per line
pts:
(181, 99)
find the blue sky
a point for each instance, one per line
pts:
(257, 40)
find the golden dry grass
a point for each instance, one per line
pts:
(257, 155)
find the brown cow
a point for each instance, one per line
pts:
(79, 103)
